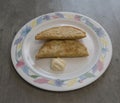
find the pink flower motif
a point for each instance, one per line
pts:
(55, 17)
(20, 64)
(81, 81)
(100, 65)
(77, 17)
(41, 80)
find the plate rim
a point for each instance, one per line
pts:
(105, 68)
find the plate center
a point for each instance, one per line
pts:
(75, 66)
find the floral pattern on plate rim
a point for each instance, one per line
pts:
(97, 68)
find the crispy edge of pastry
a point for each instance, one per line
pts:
(48, 45)
(40, 36)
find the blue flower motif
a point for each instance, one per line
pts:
(59, 82)
(25, 30)
(25, 70)
(39, 20)
(82, 77)
(17, 41)
(94, 68)
(104, 50)
(87, 22)
(59, 15)
(46, 17)
(99, 32)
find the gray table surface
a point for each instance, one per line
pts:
(15, 13)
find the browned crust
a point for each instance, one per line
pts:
(62, 48)
(61, 32)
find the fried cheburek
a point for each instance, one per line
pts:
(61, 32)
(62, 48)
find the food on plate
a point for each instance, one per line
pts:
(62, 48)
(58, 64)
(61, 32)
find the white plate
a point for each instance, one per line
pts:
(79, 71)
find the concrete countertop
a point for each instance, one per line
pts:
(15, 13)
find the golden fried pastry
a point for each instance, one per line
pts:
(62, 48)
(61, 32)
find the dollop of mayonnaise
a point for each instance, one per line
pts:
(58, 64)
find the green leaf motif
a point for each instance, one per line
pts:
(19, 53)
(89, 75)
(34, 76)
